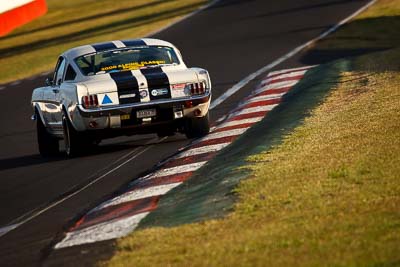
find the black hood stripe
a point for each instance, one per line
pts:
(104, 46)
(127, 85)
(133, 42)
(157, 79)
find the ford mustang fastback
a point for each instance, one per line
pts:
(116, 88)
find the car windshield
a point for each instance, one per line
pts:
(131, 58)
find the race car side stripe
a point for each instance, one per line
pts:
(133, 42)
(104, 46)
(158, 83)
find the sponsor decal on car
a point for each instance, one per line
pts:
(178, 86)
(125, 117)
(106, 100)
(158, 92)
(143, 94)
(127, 96)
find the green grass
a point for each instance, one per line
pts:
(34, 47)
(327, 194)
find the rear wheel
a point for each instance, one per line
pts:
(72, 141)
(197, 126)
(48, 144)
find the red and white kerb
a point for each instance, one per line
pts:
(120, 215)
(14, 13)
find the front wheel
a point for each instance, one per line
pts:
(48, 144)
(197, 127)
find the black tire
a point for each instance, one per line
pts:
(72, 141)
(48, 144)
(197, 127)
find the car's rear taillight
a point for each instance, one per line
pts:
(197, 88)
(90, 101)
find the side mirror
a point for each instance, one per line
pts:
(49, 82)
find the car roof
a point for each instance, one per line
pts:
(103, 46)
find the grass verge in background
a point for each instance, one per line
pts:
(329, 194)
(34, 48)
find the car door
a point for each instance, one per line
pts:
(52, 96)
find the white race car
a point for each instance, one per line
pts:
(118, 88)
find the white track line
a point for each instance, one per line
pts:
(102, 231)
(137, 194)
(6, 229)
(15, 83)
(278, 61)
(201, 150)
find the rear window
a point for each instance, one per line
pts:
(126, 59)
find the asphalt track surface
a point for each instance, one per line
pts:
(231, 39)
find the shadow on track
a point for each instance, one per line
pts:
(109, 147)
(36, 159)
